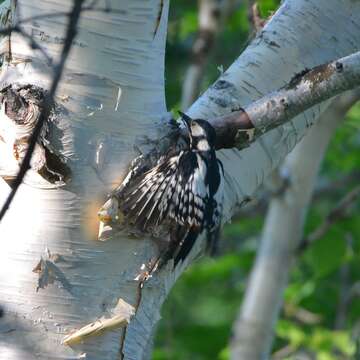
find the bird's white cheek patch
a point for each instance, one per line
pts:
(197, 131)
(203, 145)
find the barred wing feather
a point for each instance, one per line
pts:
(169, 190)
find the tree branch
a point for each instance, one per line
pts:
(310, 87)
(338, 213)
(254, 17)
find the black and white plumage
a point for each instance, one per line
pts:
(184, 189)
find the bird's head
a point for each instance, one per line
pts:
(202, 134)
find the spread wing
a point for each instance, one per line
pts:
(173, 189)
(176, 190)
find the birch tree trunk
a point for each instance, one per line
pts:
(110, 105)
(113, 81)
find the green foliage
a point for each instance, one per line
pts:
(267, 7)
(199, 314)
(182, 29)
(203, 328)
(325, 343)
(322, 266)
(343, 153)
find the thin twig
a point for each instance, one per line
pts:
(48, 101)
(255, 18)
(336, 214)
(345, 289)
(284, 352)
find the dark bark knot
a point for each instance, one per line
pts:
(15, 106)
(284, 103)
(222, 84)
(224, 94)
(266, 37)
(23, 106)
(339, 66)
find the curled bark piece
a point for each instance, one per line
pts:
(49, 272)
(125, 312)
(109, 212)
(108, 216)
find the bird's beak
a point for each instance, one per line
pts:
(186, 119)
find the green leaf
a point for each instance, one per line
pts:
(224, 354)
(291, 332)
(296, 291)
(328, 254)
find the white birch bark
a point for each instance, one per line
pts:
(114, 96)
(283, 230)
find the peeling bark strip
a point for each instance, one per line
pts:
(49, 272)
(304, 90)
(21, 107)
(124, 313)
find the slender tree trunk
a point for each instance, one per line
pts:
(212, 15)
(283, 230)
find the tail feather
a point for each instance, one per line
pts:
(182, 240)
(185, 245)
(177, 233)
(212, 241)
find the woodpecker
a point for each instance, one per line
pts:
(184, 190)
